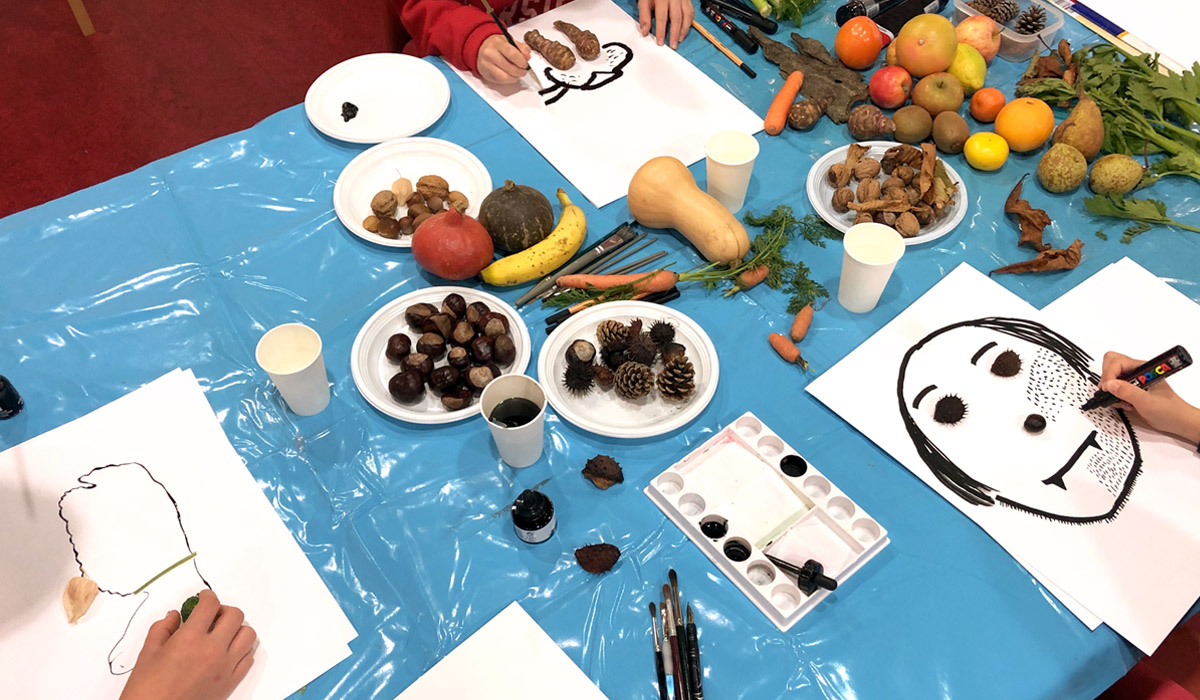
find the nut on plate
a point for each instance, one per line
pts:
(842, 197)
(433, 186)
(384, 203)
(866, 168)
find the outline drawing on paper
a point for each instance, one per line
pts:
(616, 57)
(992, 407)
(127, 528)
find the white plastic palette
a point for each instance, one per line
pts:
(770, 500)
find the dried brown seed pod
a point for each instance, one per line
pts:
(866, 168)
(433, 186)
(597, 558)
(603, 471)
(677, 380)
(842, 197)
(633, 380)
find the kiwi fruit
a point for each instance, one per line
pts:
(913, 124)
(950, 132)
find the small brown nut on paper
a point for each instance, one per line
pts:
(78, 597)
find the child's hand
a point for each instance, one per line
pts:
(1159, 405)
(678, 13)
(500, 62)
(202, 659)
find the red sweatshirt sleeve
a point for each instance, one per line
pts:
(446, 28)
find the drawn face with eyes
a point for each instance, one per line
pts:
(992, 406)
(588, 75)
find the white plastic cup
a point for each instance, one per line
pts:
(870, 253)
(520, 446)
(291, 355)
(729, 159)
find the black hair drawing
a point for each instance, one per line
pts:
(1008, 364)
(134, 489)
(617, 56)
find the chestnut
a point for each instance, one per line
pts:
(459, 358)
(475, 310)
(455, 305)
(479, 377)
(443, 379)
(672, 351)
(432, 344)
(463, 333)
(420, 362)
(493, 323)
(504, 350)
(416, 314)
(398, 347)
(581, 352)
(439, 323)
(495, 370)
(460, 398)
(407, 386)
(388, 227)
(414, 199)
(482, 349)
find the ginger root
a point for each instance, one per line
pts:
(585, 42)
(806, 112)
(555, 53)
(867, 122)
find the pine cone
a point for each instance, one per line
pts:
(981, 6)
(585, 42)
(1004, 11)
(633, 380)
(1031, 21)
(677, 380)
(613, 335)
(641, 349)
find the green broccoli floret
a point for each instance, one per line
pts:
(185, 610)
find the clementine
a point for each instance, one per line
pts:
(1025, 123)
(858, 43)
(986, 104)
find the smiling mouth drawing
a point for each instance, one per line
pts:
(1057, 478)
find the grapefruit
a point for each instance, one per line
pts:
(926, 44)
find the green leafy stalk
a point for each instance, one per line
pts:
(792, 9)
(1148, 213)
(164, 572)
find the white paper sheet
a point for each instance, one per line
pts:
(138, 484)
(1167, 26)
(1137, 567)
(610, 115)
(509, 658)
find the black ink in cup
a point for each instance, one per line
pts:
(737, 550)
(793, 465)
(714, 527)
(514, 412)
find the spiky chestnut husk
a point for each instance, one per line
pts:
(604, 471)
(662, 332)
(578, 379)
(613, 358)
(612, 335)
(635, 328)
(641, 349)
(604, 376)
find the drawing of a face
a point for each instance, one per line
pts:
(992, 406)
(588, 75)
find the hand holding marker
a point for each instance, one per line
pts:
(1145, 376)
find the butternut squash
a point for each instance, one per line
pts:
(663, 194)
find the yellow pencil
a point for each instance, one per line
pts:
(721, 47)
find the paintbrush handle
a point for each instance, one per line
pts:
(677, 664)
(662, 676)
(697, 674)
(684, 669)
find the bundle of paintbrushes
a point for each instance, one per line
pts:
(676, 648)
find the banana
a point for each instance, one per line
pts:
(547, 255)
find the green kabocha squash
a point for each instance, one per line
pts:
(516, 217)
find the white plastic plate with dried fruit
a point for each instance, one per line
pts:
(376, 168)
(820, 194)
(372, 370)
(382, 113)
(602, 411)
(745, 494)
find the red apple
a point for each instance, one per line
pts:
(937, 93)
(982, 32)
(890, 86)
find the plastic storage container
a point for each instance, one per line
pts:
(1013, 45)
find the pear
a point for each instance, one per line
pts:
(1062, 168)
(1115, 173)
(1083, 128)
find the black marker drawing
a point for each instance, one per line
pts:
(992, 407)
(614, 59)
(125, 527)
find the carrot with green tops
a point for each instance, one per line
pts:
(788, 351)
(747, 279)
(784, 99)
(801, 324)
(657, 281)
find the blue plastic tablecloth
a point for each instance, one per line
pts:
(185, 263)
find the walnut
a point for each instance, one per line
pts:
(866, 168)
(864, 217)
(886, 218)
(913, 194)
(905, 173)
(384, 203)
(433, 186)
(868, 190)
(895, 194)
(835, 173)
(892, 181)
(907, 225)
(841, 198)
(923, 213)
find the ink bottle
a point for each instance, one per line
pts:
(11, 402)
(533, 517)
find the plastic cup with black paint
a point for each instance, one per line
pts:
(514, 407)
(729, 159)
(870, 253)
(291, 355)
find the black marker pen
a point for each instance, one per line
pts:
(1154, 371)
(743, 39)
(872, 8)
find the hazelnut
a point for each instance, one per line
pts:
(435, 203)
(406, 225)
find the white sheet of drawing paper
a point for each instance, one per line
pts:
(509, 658)
(1139, 571)
(140, 483)
(1166, 25)
(597, 137)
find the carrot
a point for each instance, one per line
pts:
(789, 352)
(801, 324)
(753, 276)
(778, 112)
(657, 281)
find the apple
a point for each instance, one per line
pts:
(937, 93)
(889, 87)
(983, 33)
(926, 44)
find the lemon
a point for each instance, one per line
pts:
(986, 151)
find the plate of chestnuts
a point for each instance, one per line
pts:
(426, 356)
(629, 369)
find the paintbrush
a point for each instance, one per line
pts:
(608, 259)
(697, 677)
(683, 651)
(658, 659)
(676, 654)
(667, 661)
(504, 30)
(642, 262)
(656, 298)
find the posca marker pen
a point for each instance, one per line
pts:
(1154, 371)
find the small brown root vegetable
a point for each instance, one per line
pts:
(867, 123)
(801, 323)
(805, 113)
(786, 349)
(555, 53)
(585, 42)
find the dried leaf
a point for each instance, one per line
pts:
(1048, 260)
(78, 597)
(928, 161)
(853, 154)
(1064, 52)
(1032, 221)
(892, 205)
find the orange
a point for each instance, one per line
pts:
(986, 104)
(858, 43)
(1025, 123)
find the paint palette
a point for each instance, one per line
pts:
(744, 494)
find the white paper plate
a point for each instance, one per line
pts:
(601, 411)
(377, 168)
(396, 96)
(372, 370)
(820, 192)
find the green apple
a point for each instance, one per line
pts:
(969, 67)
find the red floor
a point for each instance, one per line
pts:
(156, 78)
